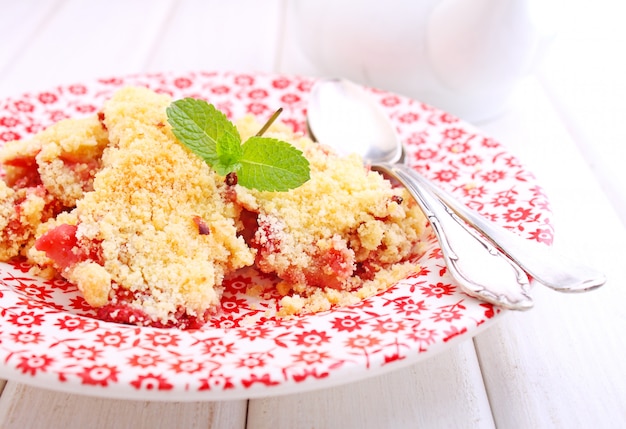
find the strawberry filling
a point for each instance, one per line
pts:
(62, 246)
(124, 312)
(27, 175)
(328, 268)
(121, 310)
(59, 244)
(83, 169)
(66, 250)
(27, 162)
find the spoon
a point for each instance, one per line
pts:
(344, 116)
(340, 114)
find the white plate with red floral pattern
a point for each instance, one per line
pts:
(49, 337)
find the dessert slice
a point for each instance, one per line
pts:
(344, 235)
(152, 242)
(22, 210)
(45, 175)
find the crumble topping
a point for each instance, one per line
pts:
(347, 229)
(147, 230)
(44, 176)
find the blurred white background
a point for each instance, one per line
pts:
(584, 73)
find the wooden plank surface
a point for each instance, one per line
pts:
(28, 407)
(445, 391)
(561, 364)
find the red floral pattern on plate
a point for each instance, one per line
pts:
(49, 337)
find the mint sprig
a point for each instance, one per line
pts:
(261, 163)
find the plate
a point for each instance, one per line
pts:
(49, 337)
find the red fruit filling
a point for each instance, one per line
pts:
(83, 169)
(331, 268)
(123, 312)
(27, 176)
(62, 246)
(328, 268)
(22, 162)
(59, 244)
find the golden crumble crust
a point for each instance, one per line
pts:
(335, 239)
(44, 175)
(69, 157)
(21, 212)
(141, 213)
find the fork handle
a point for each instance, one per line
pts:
(542, 262)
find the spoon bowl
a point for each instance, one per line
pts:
(354, 124)
(343, 115)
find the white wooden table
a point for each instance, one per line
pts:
(561, 364)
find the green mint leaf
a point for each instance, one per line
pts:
(261, 163)
(229, 152)
(272, 165)
(206, 131)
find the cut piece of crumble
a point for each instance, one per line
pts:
(344, 235)
(153, 240)
(45, 175)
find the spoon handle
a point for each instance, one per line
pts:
(479, 268)
(543, 263)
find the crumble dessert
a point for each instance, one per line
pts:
(44, 176)
(147, 231)
(153, 240)
(344, 235)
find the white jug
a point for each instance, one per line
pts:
(463, 56)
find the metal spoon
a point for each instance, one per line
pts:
(344, 116)
(341, 115)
